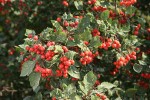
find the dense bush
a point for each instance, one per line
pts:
(90, 50)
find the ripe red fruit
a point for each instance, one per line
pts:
(148, 30)
(29, 35)
(135, 32)
(66, 23)
(58, 19)
(35, 37)
(65, 3)
(67, 63)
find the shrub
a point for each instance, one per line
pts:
(92, 49)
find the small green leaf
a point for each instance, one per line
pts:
(50, 48)
(70, 54)
(38, 96)
(88, 82)
(137, 68)
(95, 42)
(71, 89)
(78, 5)
(130, 10)
(58, 49)
(105, 15)
(56, 93)
(77, 97)
(106, 85)
(84, 24)
(29, 32)
(34, 79)
(86, 36)
(142, 62)
(56, 25)
(27, 68)
(82, 87)
(94, 97)
(130, 92)
(74, 72)
(61, 36)
(83, 46)
(89, 79)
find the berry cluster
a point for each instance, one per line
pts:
(87, 57)
(95, 32)
(99, 8)
(112, 14)
(102, 96)
(39, 49)
(122, 61)
(106, 44)
(71, 24)
(45, 72)
(35, 37)
(145, 75)
(114, 72)
(136, 30)
(116, 44)
(123, 17)
(127, 2)
(65, 49)
(91, 2)
(143, 84)
(64, 65)
(5, 1)
(50, 43)
(109, 43)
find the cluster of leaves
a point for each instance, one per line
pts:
(100, 78)
(97, 80)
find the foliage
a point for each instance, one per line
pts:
(88, 50)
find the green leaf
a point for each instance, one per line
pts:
(89, 79)
(130, 92)
(144, 56)
(61, 36)
(74, 72)
(103, 26)
(28, 31)
(105, 15)
(84, 24)
(141, 62)
(56, 25)
(50, 48)
(77, 98)
(94, 97)
(56, 93)
(38, 96)
(88, 82)
(70, 54)
(58, 49)
(78, 5)
(130, 10)
(137, 68)
(83, 47)
(95, 42)
(27, 68)
(70, 90)
(86, 36)
(106, 85)
(34, 79)
(82, 87)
